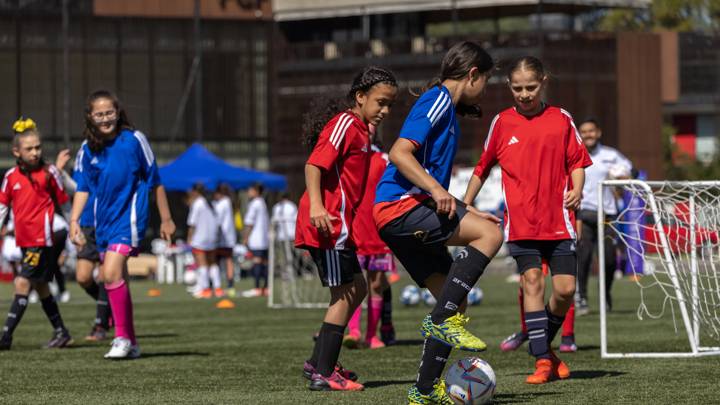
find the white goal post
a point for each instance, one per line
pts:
(676, 227)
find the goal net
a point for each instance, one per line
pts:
(292, 275)
(669, 231)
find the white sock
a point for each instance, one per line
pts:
(202, 281)
(215, 276)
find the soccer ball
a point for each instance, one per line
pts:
(428, 298)
(470, 381)
(475, 296)
(410, 295)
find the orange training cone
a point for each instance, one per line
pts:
(225, 304)
(154, 292)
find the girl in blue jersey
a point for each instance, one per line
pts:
(418, 218)
(118, 168)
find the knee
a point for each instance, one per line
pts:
(84, 280)
(493, 236)
(22, 285)
(565, 291)
(533, 283)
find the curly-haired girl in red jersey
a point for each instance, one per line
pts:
(335, 177)
(543, 164)
(32, 189)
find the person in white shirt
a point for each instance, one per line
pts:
(203, 235)
(284, 216)
(223, 206)
(60, 229)
(608, 163)
(257, 239)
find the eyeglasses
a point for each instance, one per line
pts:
(110, 115)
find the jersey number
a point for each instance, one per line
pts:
(32, 258)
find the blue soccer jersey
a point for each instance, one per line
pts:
(121, 177)
(87, 218)
(433, 127)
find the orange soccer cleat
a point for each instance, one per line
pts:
(543, 372)
(560, 369)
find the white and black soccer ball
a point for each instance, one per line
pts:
(471, 381)
(475, 296)
(410, 295)
(427, 298)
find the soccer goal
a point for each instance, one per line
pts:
(670, 232)
(292, 275)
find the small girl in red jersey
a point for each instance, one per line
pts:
(335, 177)
(32, 189)
(543, 164)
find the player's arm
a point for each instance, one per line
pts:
(79, 200)
(319, 216)
(167, 226)
(402, 156)
(573, 197)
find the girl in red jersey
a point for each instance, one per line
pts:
(376, 259)
(543, 163)
(33, 189)
(335, 177)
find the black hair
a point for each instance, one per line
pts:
(202, 191)
(258, 187)
(530, 63)
(456, 64)
(320, 113)
(94, 140)
(589, 120)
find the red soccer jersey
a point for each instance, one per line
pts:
(342, 153)
(365, 232)
(536, 155)
(32, 203)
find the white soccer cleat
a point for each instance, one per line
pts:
(65, 297)
(122, 348)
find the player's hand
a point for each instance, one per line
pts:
(444, 202)
(485, 215)
(76, 235)
(62, 158)
(572, 200)
(322, 220)
(167, 230)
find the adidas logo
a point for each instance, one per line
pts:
(16, 186)
(452, 130)
(513, 141)
(94, 161)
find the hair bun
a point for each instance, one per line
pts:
(23, 125)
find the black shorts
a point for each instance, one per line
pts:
(529, 254)
(336, 267)
(89, 250)
(260, 253)
(418, 237)
(35, 264)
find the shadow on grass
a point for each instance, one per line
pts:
(584, 348)
(521, 398)
(157, 335)
(378, 384)
(409, 342)
(591, 374)
(174, 354)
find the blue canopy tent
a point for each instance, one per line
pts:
(199, 165)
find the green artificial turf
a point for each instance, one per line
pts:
(195, 353)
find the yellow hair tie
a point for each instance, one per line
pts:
(23, 125)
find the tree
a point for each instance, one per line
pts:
(675, 15)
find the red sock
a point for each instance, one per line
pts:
(122, 311)
(354, 323)
(374, 310)
(568, 326)
(521, 301)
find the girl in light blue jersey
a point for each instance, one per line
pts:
(118, 167)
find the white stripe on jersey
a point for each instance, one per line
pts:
(490, 132)
(340, 243)
(438, 100)
(440, 111)
(48, 230)
(341, 127)
(566, 216)
(133, 222)
(577, 133)
(5, 179)
(145, 147)
(79, 157)
(56, 174)
(507, 211)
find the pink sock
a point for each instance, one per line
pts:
(122, 311)
(374, 310)
(354, 324)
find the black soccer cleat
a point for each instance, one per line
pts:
(5, 342)
(59, 340)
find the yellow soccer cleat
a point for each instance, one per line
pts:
(452, 332)
(438, 396)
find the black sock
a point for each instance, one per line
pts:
(386, 314)
(554, 324)
(330, 341)
(231, 282)
(537, 325)
(256, 272)
(92, 290)
(465, 271)
(17, 309)
(434, 357)
(264, 275)
(52, 312)
(103, 311)
(60, 280)
(313, 360)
